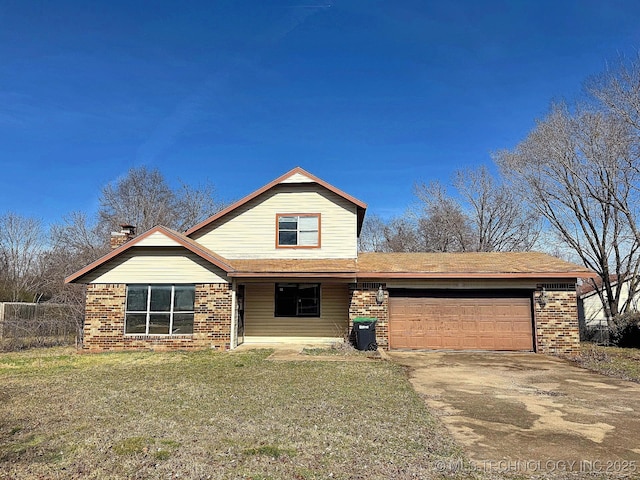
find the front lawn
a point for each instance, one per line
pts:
(212, 415)
(612, 361)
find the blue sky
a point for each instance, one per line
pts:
(371, 96)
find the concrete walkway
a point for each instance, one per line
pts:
(530, 408)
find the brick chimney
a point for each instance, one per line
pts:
(126, 233)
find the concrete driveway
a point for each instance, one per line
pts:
(528, 407)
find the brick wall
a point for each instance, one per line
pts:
(362, 303)
(212, 319)
(557, 330)
(104, 321)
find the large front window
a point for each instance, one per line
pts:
(297, 300)
(298, 230)
(159, 309)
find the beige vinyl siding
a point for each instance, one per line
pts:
(297, 178)
(157, 265)
(260, 320)
(157, 239)
(250, 231)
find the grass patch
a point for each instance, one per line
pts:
(270, 451)
(131, 446)
(611, 361)
(212, 415)
(160, 450)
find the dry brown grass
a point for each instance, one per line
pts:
(212, 415)
(338, 348)
(612, 361)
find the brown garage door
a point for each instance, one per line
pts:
(460, 323)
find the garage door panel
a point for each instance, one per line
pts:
(487, 327)
(504, 325)
(523, 330)
(451, 342)
(468, 327)
(460, 323)
(485, 343)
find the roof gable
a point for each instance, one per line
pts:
(587, 288)
(297, 175)
(157, 236)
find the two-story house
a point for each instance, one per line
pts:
(282, 264)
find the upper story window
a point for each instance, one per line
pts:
(159, 309)
(298, 230)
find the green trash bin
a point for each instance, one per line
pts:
(364, 333)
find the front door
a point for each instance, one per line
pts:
(240, 312)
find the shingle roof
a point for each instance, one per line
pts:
(374, 265)
(587, 287)
(420, 265)
(285, 267)
(477, 264)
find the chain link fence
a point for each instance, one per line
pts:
(27, 325)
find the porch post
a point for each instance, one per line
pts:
(233, 343)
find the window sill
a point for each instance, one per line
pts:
(157, 335)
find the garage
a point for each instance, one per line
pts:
(464, 320)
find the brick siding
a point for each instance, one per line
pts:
(557, 330)
(362, 303)
(104, 321)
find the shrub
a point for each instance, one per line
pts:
(625, 331)
(595, 334)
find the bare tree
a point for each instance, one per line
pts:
(21, 245)
(75, 242)
(574, 169)
(400, 236)
(372, 236)
(442, 224)
(498, 219)
(144, 199)
(618, 90)
(194, 204)
(80, 238)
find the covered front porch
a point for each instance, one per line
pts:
(291, 311)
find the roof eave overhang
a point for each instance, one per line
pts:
(292, 275)
(475, 275)
(360, 213)
(411, 275)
